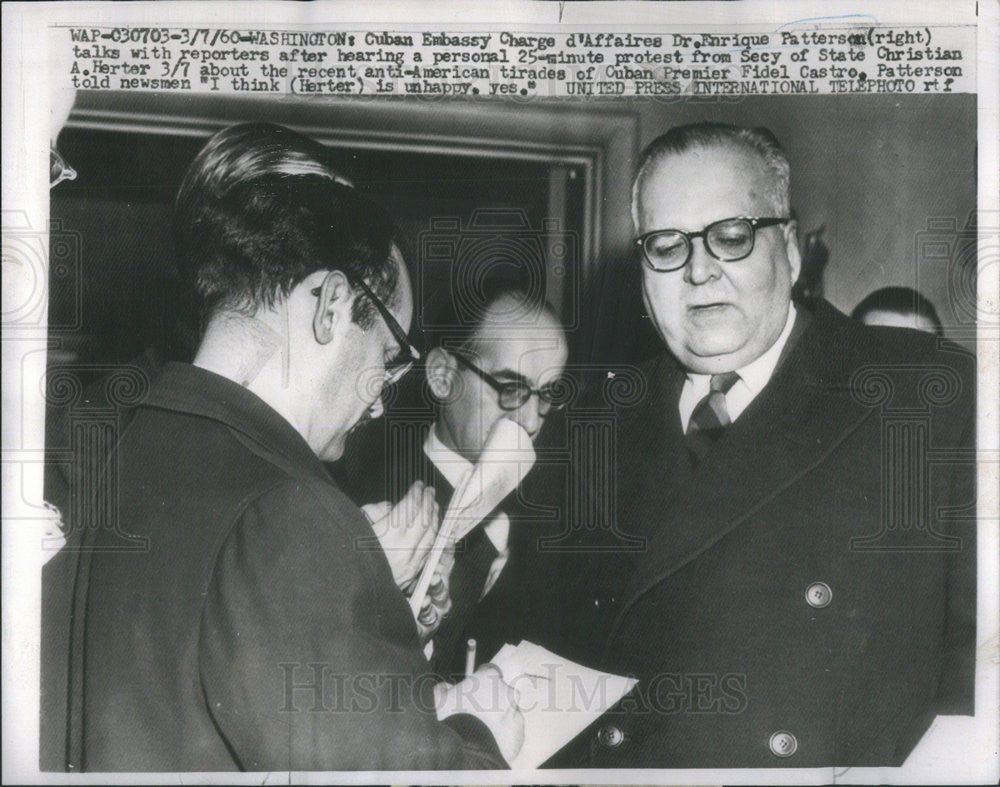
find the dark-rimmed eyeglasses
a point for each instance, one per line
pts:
(408, 353)
(728, 240)
(513, 394)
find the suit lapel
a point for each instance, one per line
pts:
(791, 427)
(652, 463)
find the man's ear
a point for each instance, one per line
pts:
(441, 370)
(333, 304)
(792, 249)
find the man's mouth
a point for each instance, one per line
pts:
(706, 308)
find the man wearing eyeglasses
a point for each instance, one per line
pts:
(499, 353)
(242, 614)
(800, 598)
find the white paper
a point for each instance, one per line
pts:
(506, 459)
(558, 698)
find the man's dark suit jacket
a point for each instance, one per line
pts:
(805, 596)
(381, 462)
(243, 615)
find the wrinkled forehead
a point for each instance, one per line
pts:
(539, 359)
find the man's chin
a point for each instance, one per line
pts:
(365, 419)
(333, 451)
(712, 357)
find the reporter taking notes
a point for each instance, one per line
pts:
(260, 625)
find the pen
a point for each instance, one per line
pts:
(470, 657)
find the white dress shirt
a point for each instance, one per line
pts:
(452, 466)
(753, 377)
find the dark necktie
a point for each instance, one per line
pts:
(710, 416)
(474, 555)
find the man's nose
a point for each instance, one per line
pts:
(702, 267)
(531, 415)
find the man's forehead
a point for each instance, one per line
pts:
(702, 182)
(700, 157)
(536, 357)
(511, 312)
(513, 318)
(506, 333)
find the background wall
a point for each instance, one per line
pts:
(890, 179)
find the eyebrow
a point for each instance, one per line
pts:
(506, 375)
(513, 376)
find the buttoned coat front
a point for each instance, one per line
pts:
(805, 596)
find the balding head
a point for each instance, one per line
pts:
(516, 343)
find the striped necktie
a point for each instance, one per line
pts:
(710, 416)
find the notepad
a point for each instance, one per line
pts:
(558, 698)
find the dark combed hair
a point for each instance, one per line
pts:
(252, 246)
(899, 300)
(238, 154)
(759, 141)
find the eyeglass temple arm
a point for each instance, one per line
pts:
(394, 327)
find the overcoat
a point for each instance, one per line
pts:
(237, 611)
(805, 595)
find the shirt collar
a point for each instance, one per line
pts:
(450, 464)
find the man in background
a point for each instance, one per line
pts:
(500, 355)
(899, 307)
(805, 591)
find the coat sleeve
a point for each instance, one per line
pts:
(308, 656)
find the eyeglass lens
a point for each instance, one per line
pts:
(514, 395)
(731, 239)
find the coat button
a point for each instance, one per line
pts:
(611, 736)
(818, 595)
(783, 744)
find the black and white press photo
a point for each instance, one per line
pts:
(568, 393)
